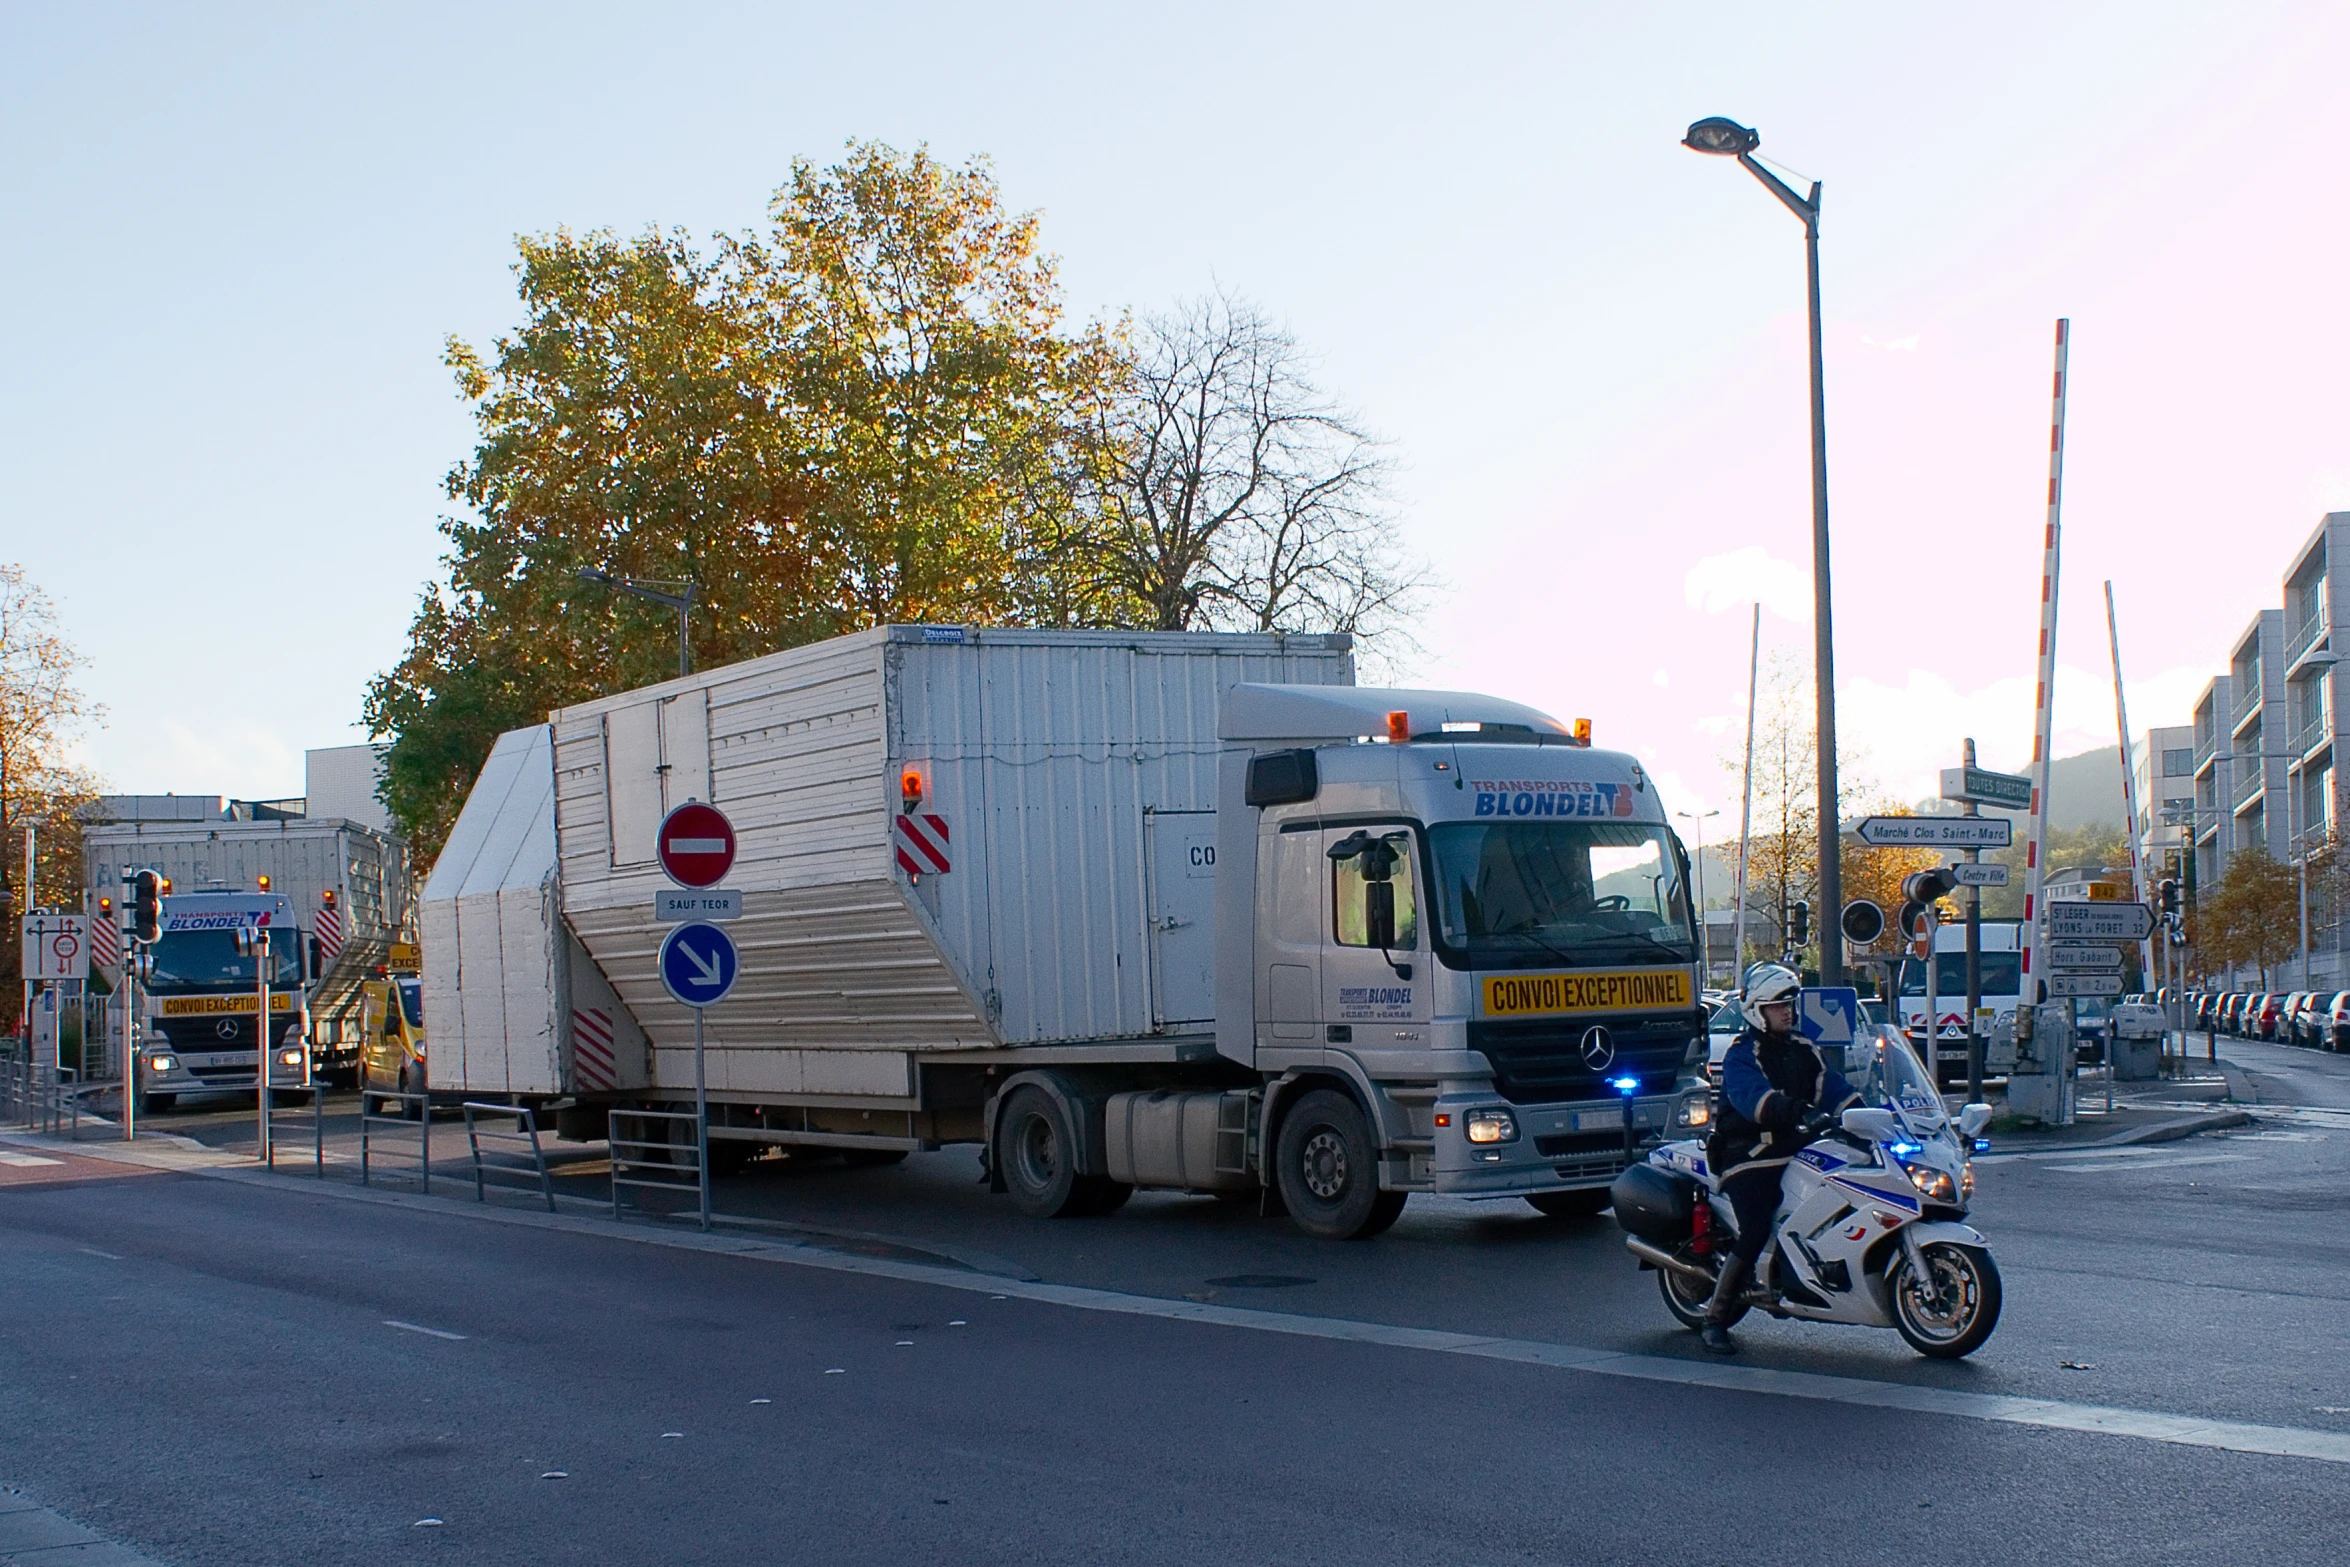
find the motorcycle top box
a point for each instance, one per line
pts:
(1658, 1205)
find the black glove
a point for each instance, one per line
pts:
(1816, 1124)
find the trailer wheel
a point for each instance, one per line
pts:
(1328, 1170)
(1035, 1149)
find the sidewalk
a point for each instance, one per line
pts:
(2210, 1096)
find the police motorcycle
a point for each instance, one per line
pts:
(1869, 1229)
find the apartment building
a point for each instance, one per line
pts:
(2162, 767)
(2264, 737)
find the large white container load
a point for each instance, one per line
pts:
(1129, 909)
(1068, 777)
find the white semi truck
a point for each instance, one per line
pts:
(347, 896)
(1172, 910)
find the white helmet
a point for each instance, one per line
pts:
(1767, 984)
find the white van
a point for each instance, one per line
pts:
(2001, 945)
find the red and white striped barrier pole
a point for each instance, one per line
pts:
(2044, 696)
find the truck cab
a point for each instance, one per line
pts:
(1467, 918)
(203, 1003)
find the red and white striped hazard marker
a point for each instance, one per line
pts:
(329, 930)
(922, 843)
(105, 943)
(592, 1062)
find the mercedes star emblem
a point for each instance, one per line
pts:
(226, 1028)
(1599, 1048)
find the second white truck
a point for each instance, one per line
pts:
(1178, 911)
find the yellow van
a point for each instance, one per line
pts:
(391, 1040)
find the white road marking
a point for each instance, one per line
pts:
(110, 1256)
(410, 1327)
(26, 1161)
(2150, 1164)
(2046, 1413)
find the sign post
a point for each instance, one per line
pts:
(696, 846)
(698, 965)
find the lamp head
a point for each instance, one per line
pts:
(590, 574)
(1721, 138)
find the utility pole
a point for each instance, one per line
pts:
(1974, 962)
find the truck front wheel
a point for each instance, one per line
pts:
(1328, 1170)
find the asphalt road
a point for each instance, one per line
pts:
(205, 1369)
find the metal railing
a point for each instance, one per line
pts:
(39, 1098)
(2247, 701)
(2251, 781)
(414, 1117)
(2303, 635)
(657, 1150)
(317, 1126)
(500, 1163)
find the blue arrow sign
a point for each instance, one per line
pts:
(698, 964)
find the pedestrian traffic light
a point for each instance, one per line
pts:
(146, 908)
(2170, 896)
(1799, 924)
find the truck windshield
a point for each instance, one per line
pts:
(2003, 974)
(411, 1002)
(187, 960)
(1517, 894)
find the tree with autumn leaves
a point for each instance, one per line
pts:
(40, 710)
(874, 411)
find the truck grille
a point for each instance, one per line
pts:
(1542, 1062)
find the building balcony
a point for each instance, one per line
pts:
(2247, 786)
(2302, 636)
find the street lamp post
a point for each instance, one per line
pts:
(1723, 138)
(677, 595)
(1705, 950)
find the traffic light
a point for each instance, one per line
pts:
(2170, 896)
(1799, 924)
(147, 908)
(1929, 886)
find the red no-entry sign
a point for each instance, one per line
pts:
(696, 845)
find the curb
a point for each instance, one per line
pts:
(2172, 1130)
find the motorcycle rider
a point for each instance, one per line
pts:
(1777, 1095)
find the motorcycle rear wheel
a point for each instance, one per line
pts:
(1952, 1315)
(1685, 1297)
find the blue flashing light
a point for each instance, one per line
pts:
(1904, 1150)
(1627, 1086)
(1982, 1145)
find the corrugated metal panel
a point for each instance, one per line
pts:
(1045, 752)
(1042, 750)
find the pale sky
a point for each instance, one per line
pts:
(238, 235)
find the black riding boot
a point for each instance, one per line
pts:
(1723, 1306)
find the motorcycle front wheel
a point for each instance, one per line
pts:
(1685, 1297)
(1951, 1313)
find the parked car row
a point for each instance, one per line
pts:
(2317, 1019)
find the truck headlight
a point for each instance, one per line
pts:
(1693, 1111)
(1491, 1126)
(289, 1058)
(161, 1064)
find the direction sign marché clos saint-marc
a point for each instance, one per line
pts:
(1935, 832)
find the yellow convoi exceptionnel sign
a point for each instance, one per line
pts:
(1527, 995)
(206, 1006)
